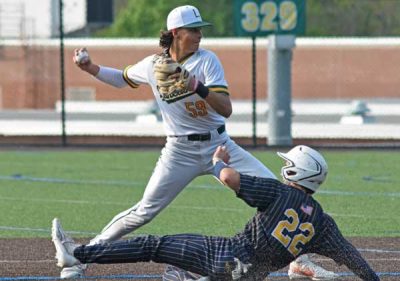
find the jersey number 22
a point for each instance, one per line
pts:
(292, 225)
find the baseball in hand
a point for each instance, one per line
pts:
(82, 57)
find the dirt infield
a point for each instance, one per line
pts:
(33, 259)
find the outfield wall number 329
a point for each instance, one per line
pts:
(260, 18)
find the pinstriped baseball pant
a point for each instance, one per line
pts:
(204, 255)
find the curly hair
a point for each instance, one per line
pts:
(166, 39)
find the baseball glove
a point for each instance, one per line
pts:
(174, 82)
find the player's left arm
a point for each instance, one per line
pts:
(336, 247)
(220, 102)
(218, 97)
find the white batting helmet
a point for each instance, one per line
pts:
(307, 167)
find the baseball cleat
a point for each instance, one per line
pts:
(64, 245)
(76, 271)
(306, 269)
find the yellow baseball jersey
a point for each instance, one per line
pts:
(190, 114)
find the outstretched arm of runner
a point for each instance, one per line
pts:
(227, 175)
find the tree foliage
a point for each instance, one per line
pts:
(353, 18)
(145, 18)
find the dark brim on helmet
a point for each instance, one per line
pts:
(197, 24)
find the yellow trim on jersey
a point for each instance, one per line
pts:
(127, 80)
(219, 89)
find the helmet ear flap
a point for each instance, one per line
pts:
(290, 172)
(286, 171)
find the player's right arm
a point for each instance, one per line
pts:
(255, 191)
(111, 76)
(227, 175)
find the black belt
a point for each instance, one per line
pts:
(203, 137)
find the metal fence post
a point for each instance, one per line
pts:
(279, 89)
(62, 74)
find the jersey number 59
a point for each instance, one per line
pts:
(196, 109)
(292, 225)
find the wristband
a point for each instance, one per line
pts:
(218, 166)
(202, 90)
(216, 159)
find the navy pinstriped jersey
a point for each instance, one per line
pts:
(289, 223)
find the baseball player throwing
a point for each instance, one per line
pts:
(189, 86)
(288, 223)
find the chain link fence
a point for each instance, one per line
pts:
(344, 90)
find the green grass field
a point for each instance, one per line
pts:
(86, 188)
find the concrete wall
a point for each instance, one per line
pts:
(30, 75)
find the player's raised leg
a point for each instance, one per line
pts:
(171, 175)
(163, 187)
